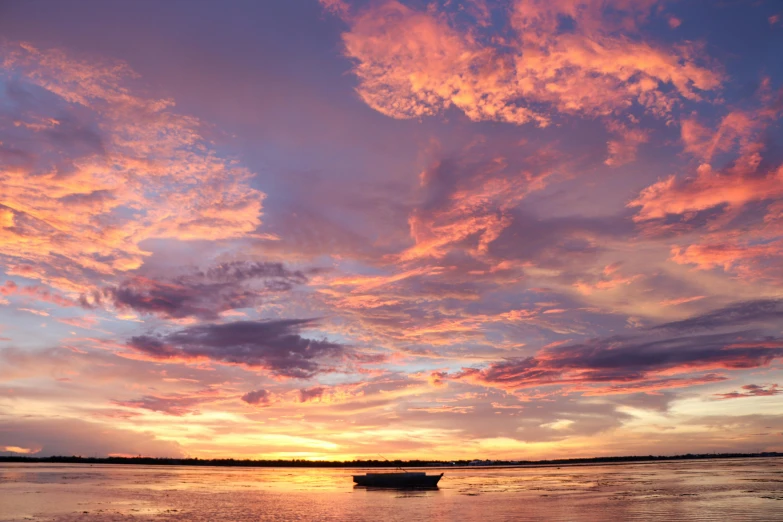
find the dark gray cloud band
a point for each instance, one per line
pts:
(273, 345)
(202, 294)
(638, 362)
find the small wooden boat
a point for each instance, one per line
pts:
(408, 479)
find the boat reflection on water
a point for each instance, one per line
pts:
(405, 480)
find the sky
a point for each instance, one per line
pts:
(330, 230)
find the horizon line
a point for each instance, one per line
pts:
(455, 464)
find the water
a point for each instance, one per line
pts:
(731, 490)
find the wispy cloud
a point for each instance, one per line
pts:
(752, 390)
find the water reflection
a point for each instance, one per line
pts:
(411, 490)
(749, 489)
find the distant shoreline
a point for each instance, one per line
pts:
(456, 464)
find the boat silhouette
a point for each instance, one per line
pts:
(406, 479)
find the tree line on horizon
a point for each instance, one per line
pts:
(195, 461)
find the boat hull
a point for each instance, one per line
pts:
(397, 480)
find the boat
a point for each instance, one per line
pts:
(406, 479)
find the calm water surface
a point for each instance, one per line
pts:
(731, 490)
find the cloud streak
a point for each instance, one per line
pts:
(751, 390)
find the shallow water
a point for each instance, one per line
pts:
(736, 490)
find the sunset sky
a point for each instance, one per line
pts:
(442, 229)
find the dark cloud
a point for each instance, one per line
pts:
(276, 273)
(310, 394)
(643, 362)
(273, 345)
(627, 362)
(606, 359)
(656, 385)
(204, 294)
(258, 397)
(746, 312)
(752, 390)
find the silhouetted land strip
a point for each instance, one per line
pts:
(374, 463)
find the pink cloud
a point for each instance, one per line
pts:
(34, 311)
(36, 292)
(109, 170)
(681, 300)
(623, 148)
(747, 260)
(338, 7)
(413, 63)
(748, 178)
(707, 189)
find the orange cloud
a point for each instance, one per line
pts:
(708, 189)
(111, 170)
(738, 206)
(608, 279)
(739, 128)
(681, 300)
(20, 450)
(746, 179)
(476, 206)
(413, 63)
(747, 260)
